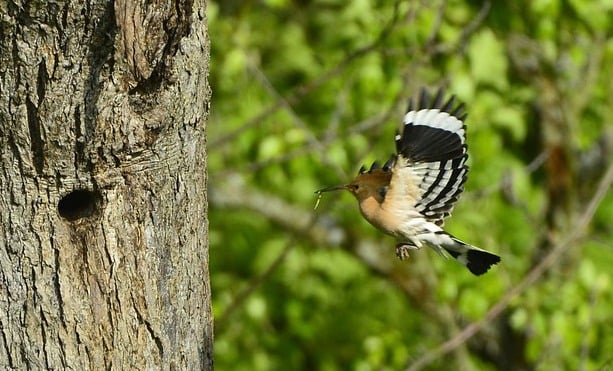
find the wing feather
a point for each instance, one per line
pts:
(430, 167)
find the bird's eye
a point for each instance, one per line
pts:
(356, 187)
(382, 191)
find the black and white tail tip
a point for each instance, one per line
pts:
(476, 260)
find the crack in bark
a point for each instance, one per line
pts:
(154, 336)
(7, 350)
(56, 283)
(41, 81)
(43, 334)
(36, 141)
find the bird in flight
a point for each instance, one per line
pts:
(410, 196)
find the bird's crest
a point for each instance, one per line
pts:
(387, 166)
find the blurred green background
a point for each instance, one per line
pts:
(305, 92)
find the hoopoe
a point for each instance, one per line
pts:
(415, 190)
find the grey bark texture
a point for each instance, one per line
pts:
(103, 209)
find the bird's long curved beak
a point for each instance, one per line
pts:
(333, 188)
(328, 189)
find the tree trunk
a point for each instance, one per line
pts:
(103, 209)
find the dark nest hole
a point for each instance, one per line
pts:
(77, 204)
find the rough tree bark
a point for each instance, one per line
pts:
(103, 209)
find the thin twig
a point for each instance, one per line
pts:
(473, 25)
(436, 27)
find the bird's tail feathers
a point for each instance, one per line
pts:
(477, 260)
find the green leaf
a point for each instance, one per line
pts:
(510, 118)
(270, 147)
(519, 318)
(488, 62)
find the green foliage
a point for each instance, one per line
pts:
(304, 92)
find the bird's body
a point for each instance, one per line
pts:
(415, 190)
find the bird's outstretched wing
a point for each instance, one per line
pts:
(430, 168)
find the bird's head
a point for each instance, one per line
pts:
(371, 183)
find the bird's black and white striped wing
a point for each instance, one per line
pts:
(431, 154)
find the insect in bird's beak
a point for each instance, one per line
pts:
(320, 192)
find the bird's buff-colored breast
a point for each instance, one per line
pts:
(391, 211)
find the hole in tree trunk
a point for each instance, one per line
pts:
(77, 204)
